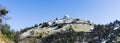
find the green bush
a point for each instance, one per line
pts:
(45, 24)
(7, 32)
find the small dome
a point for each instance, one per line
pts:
(66, 16)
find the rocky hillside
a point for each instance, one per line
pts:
(69, 30)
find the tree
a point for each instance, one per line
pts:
(45, 24)
(35, 25)
(5, 28)
(7, 32)
(3, 12)
(88, 21)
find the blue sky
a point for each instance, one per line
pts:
(26, 13)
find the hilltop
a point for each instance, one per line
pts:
(70, 30)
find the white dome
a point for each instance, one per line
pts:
(66, 16)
